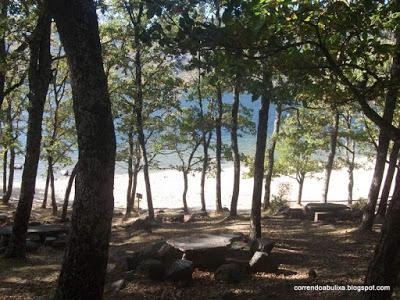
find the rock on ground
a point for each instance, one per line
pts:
(230, 273)
(151, 268)
(180, 270)
(263, 262)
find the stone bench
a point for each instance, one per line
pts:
(43, 231)
(323, 216)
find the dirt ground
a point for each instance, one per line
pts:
(337, 252)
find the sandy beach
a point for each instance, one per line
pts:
(167, 187)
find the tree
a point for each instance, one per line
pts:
(39, 80)
(297, 148)
(85, 261)
(183, 137)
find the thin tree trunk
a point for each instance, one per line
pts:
(39, 80)
(350, 185)
(10, 130)
(218, 150)
(134, 185)
(235, 150)
(3, 51)
(5, 163)
(332, 153)
(7, 196)
(53, 190)
(139, 112)
(350, 160)
(129, 202)
(255, 215)
(68, 192)
(185, 189)
(271, 156)
(388, 180)
(301, 184)
(46, 188)
(85, 261)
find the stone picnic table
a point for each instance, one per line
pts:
(42, 231)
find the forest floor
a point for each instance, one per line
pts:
(337, 252)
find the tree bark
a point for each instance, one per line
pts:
(39, 79)
(385, 265)
(332, 153)
(10, 130)
(139, 112)
(262, 129)
(46, 188)
(129, 202)
(3, 52)
(53, 190)
(68, 192)
(7, 196)
(235, 150)
(300, 180)
(5, 163)
(389, 108)
(85, 261)
(271, 156)
(388, 180)
(185, 189)
(218, 150)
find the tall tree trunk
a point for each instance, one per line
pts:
(7, 196)
(129, 202)
(300, 180)
(390, 105)
(185, 189)
(5, 163)
(53, 190)
(385, 265)
(134, 185)
(3, 52)
(350, 159)
(332, 153)
(10, 130)
(388, 180)
(262, 129)
(218, 150)
(68, 192)
(235, 149)
(271, 156)
(139, 112)
(39, 80)
(85, 261)
(46, 187)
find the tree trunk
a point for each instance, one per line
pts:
(39, 79)
(134, 185)
(85, 261)
(350, 159)
(218, 150)
(10, 129)
(385, 265)
(350, 185)
(68, 192)
(53, 190)
(271, 156)
(129, 202)
(3, 52)
(5, 163)
(389, 108)
(262, 129)
(139, 112)
(235, 150)
(7, 196)
(204, 171)
(388, 180)
(332, 152)
(301, 184)
(185, 189)
(46, 188)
